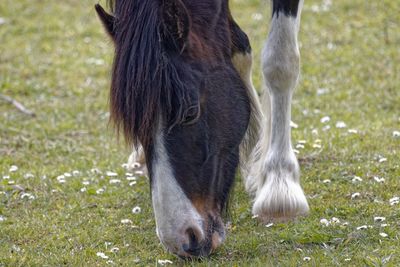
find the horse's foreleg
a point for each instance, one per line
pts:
(137, 160)
(279, 196)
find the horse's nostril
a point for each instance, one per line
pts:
(193, 248)
(192, 237)
(185, 247)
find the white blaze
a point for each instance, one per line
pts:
(174, 212)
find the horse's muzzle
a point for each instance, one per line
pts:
(198, 239)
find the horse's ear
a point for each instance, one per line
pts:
(176, 24)
(107, 20)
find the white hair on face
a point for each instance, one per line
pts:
(174, 212)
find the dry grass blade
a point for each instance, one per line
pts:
(18, 105)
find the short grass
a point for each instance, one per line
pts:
(55, 59)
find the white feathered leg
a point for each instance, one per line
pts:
(274, 176)
(137, 160)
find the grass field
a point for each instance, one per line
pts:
(58, 206)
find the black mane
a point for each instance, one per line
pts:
(148, 79)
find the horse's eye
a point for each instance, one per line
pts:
(191, 116)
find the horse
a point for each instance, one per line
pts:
(182, 95)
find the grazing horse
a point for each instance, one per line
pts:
(181, 92)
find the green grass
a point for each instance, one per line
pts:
(55, 59)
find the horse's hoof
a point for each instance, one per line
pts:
(280, 200)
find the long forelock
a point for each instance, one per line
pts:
(146, 82)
